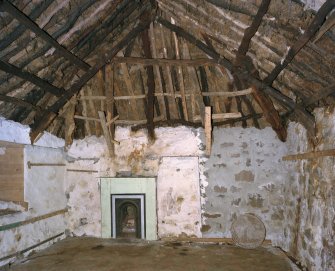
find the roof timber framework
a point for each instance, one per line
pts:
(150, 63)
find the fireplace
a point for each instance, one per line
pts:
(128, 208)
(128, 216)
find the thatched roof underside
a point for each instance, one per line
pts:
(151, 63)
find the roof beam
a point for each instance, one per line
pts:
(5, 5)
(43, 84)
(303, 39)
(251, 30)
(42, 123)
(305, 117)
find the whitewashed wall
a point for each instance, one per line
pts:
(178, 197)
(43, 190)
(135, 156)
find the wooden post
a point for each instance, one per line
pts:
(106, 133)
(208, 129)
(93, 111)
(84, 112)
(69, 121)
(109, 86)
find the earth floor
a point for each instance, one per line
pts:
(95, 254)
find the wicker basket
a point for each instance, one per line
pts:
(248, 231)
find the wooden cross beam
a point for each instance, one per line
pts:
(306, 118)
(43, 84)
(42, 123)
(165, 61)
(303, 39)
(5, 5)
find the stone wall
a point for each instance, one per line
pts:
(309, 229)
(244, 174)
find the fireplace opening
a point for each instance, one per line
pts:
(128, 216)
(128, 219)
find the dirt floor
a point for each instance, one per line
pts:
(93, 254)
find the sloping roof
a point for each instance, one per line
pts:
(280, 54)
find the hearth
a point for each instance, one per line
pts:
(128, 216)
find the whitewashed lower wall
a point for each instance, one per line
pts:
(44, 192)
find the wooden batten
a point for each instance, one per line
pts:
(221, 116)
(208, 129)
(31, 220)
(309, 155)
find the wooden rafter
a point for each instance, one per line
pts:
(42, 123)
(251, 30)
(323, 93)
(330, 22)
(19, 102)
(159, 85)
(43, 84)
(303, 39)
(241, 53)
(19, 30)
(305, 117)
(270, 114)
(5, 5)
(150, 84)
